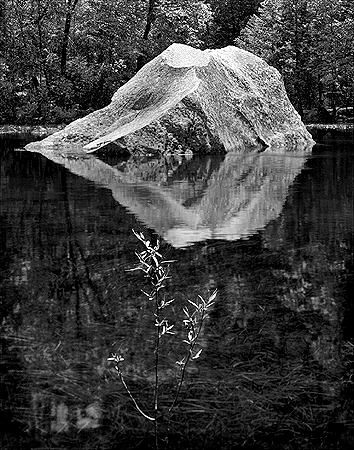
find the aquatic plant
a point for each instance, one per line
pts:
(156, 269)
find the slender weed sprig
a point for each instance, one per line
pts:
(156, 269)
(193, 323)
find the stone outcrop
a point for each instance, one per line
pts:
(191, 100)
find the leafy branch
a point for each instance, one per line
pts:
(156, 269)
(193, 323)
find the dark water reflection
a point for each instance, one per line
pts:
(273, 233)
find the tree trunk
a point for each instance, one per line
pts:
(298, 63)
(150, 18)
(71, 5)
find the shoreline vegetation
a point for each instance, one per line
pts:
(60, 61)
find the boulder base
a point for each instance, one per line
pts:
(188, 100)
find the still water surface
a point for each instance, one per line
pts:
(274, 235)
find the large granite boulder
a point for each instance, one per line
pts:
(191, 100)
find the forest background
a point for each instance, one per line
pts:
(60, 60)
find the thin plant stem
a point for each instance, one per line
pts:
(118, 359)
(157, 354)
(185, 364)
(133, 399)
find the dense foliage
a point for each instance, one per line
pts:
(311, 43)
(62, 59)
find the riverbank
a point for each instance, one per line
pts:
(318, 131)
(40, 131)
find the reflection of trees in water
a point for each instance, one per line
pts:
(14, 396)
(48, 297)
(86, 294)
(272, 369)
(53, 415)
(277, 331)
(279, 365)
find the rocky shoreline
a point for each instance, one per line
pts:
(43, 131)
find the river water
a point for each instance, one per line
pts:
(272, 233)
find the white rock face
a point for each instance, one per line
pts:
(180, 55)
(191, 100)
